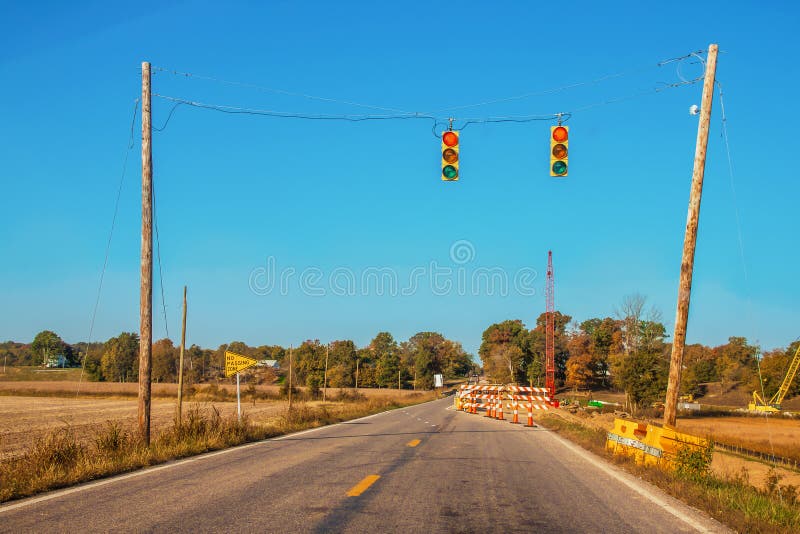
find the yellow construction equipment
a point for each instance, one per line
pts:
(774, 404)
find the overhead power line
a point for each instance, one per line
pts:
(438, 117)
(351, 102)
(277, 91)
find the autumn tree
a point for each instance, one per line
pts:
(47, 346)
(342, 364)
(700, 368)
(774, 366)
(120, 357)
(580, 366)
(432, 353)
(644, 377)
(504, 351)
(165, 361)
(386, 354)
(309, 364)
(735, 361)
(605, 337)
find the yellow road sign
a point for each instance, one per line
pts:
(236, 362)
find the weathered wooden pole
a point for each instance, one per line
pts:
(146, 283)
(180, 360)
(689, 242)
(290, 378)
(325, 378)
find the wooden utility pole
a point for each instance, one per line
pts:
(290, 378)
(357, 362)
(325, 378)
(689, 242)
(180, 361)
(398, 380)
(146, 284)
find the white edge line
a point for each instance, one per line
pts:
(174, 463)
(623, 477)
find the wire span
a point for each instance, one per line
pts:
(291, 115)
(108, 245)
(276, 90)
(553, 90)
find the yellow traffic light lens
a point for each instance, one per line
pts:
(449, 172)
(450, 155)
(559, 151)
(450, 138)
(559, 168)
(560, 134)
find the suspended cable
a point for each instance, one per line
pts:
(160, 270)
(108, 245)
(724, 134)
(277, 91)
(466, 121)
(638, 94)
(553, 90)
(290, 115)
(562, 88)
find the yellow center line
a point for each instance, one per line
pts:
(413, 443)
(362, 486)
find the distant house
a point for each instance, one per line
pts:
(270, 364)
(58, 360)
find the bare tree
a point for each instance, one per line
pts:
(630, 313)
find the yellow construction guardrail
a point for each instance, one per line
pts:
(649, 444)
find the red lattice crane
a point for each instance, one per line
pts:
(550, 349)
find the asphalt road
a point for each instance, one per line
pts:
(423, 468)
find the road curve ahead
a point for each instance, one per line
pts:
(426, 468)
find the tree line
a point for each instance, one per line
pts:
(630, 353)
(384, 362)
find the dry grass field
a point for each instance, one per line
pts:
(30, 410)
(25, 419)
(69, 388)
(771, 435)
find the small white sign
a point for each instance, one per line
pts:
(438, 381)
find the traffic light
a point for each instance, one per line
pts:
(450, 156)
(559, 150)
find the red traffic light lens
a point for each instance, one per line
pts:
(450, 138)
(560, 134)
(559, 151)
(450, 155)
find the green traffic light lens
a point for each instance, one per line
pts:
(449, 172)
(559, 168)
(450, 155)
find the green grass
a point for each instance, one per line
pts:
(732, 501)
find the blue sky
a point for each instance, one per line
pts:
(236, 192)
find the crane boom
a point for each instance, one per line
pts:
(774, 404)
(787, 380)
